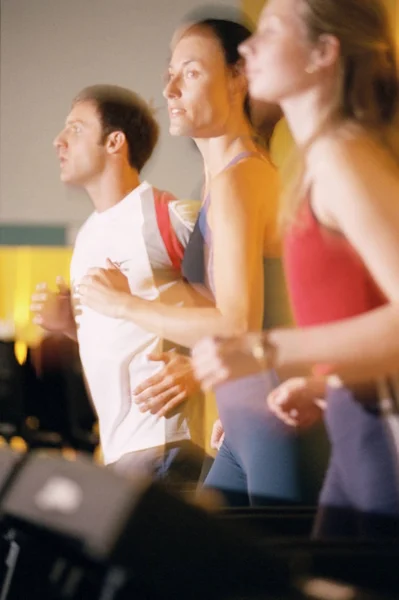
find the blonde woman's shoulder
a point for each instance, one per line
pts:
(351, 148)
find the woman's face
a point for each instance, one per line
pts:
(199, 86)
(278, 54)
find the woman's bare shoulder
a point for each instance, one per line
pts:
(350, 148)
(254, 175)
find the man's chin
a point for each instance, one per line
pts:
(178, 131)
(67, 179)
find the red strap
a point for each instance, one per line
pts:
(173, 246)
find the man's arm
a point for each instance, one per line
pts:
(53, 310)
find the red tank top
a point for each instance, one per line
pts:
(326, 278)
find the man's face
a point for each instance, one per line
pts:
(79, 146)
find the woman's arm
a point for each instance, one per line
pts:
(356, 190)
(238, 197)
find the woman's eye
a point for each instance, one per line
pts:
(192, 74)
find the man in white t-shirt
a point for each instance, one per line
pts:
(109, 135)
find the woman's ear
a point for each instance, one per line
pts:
(325, 54)
(239, 80)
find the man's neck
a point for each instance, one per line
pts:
(110, 188)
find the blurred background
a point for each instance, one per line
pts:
(51, 49)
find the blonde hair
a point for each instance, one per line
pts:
(367, 92)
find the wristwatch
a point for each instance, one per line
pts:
(264, 353)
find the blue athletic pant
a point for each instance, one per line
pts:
(259, 461)
(360, 495)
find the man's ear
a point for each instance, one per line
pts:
(115, 142)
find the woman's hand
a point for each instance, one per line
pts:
(217, 360)
(172, 385)
(298, 401)
(105, 291)
(217, 435)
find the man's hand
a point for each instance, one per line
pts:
(53, 310)
(168, 388)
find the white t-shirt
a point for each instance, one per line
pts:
(113, 351)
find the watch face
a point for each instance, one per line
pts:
(258, 351)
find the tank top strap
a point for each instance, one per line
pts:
(205, 205)
(241, 156)
(236, 159)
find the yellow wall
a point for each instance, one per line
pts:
(21, 268)
(252, 8)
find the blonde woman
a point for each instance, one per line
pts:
(331, 66)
